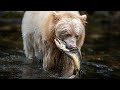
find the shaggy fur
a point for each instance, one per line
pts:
(40, 28)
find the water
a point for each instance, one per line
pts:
(96, 63)
(13, 66)
(101, 56)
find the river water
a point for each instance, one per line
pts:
(101, 57)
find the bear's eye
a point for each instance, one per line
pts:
(64, 36)
(68, 35)
(64, 32)
(76, 36)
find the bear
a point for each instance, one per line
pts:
(56, 38)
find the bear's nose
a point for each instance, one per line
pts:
(72, 46)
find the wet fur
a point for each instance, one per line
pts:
(40, 41)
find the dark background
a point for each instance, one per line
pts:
(101, 51)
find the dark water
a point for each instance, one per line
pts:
(101, 54)
(101, 60)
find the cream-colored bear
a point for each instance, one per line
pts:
(43, 32)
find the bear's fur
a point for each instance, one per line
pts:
(39, 29)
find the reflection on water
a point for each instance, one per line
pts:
(101, 55)
(13, 66)
(98, 62)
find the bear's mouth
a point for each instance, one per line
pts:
(73, 53)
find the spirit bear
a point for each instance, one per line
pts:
(53, 37)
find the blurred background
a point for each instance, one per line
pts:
(101, 51)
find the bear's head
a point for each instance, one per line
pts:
(69, 28)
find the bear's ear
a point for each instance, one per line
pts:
(56, 16)
(83, 19)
